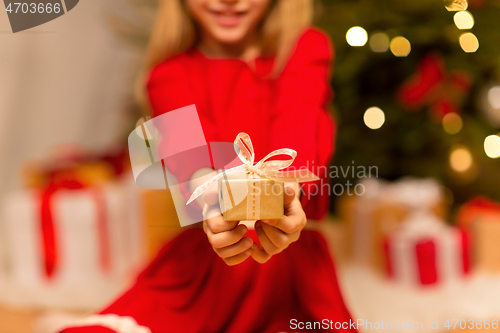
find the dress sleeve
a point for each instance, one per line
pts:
(168, 90)
(302, 122)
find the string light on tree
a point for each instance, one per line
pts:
(452, 123)
(492, 146)
(379, 42)
(453, 5)
(494, 97)
(374, 118)
(469, 42)
(464, 20)
(460, 158)
(356, 36)
(400, 46)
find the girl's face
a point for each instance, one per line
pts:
(228, 22)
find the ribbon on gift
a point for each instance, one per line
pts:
(50, 250)
(427, 251)
(266, 168)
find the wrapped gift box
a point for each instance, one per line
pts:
(159, 218)
(381, 209)
(245, 196)
(481, 217)
(426, 251)
(76, 249)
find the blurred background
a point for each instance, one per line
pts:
(417, 102)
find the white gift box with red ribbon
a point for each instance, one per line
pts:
(411, 193)
(86, 256)
(427, 251)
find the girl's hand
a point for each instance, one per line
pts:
(277, 235)
(227, 238)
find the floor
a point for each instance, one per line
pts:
(358, 286)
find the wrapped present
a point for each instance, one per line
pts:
(426, 251)
(70, 245)
(159, 219)
(71, 162)
(382, 208)
(481, 217)
(261, 198)
(254, 192)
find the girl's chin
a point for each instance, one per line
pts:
(230, 37)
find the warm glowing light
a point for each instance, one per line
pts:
(464, 20)
(374, 118)
(469, 42)
(452, 123)
(379, 42)
(460, 159)
(494, 97)
(492, 146)
(453, 5)
(400, 46)
(356, 36)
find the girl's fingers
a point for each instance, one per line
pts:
(226, 238)
(294, 220)
(278, 237)
(217, 224)
(259, 255)
(211, 198)
(235, 249)
(265, 242)
(238, 259)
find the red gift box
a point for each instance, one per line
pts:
(426, 251)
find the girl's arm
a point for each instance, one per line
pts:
(169, 90)
(302, 122)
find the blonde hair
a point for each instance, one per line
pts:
(174, 32)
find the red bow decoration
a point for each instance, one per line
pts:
(49, 243)
(433, 87)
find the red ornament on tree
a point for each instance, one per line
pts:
(431, 86)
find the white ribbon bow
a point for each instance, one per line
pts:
(263, 168)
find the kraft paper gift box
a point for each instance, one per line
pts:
(426, 251)
(254, 191)
(381, 210)
(159, 219)
(481, 217)
(97, 246)
(245, 196)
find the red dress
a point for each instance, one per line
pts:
(188, 288)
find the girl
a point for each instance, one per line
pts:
(251, 66)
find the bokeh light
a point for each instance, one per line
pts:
(464, 20)
(452, 123)
(400, 46)
(460, 158)
(379, 42)
(374, 118)
(356, 36)
(469, 42)
(494, 97)
(453, 5)
(492, 146)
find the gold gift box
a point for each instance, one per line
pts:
(250, 197)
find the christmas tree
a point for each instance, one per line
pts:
(417, 90)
